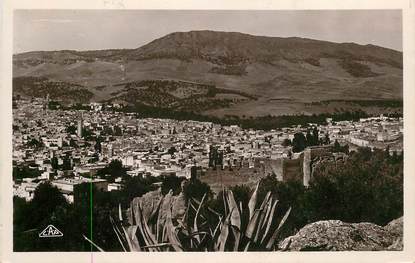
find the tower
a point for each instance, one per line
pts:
(307, 167)
(46, 103)
(79, 128)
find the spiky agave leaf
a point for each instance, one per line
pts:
(120, 237)
(143, 229)
(217, 227)
(235, 218)
(223, 235)
(247, 245)
(139, 224)
(225, 208)
(235, 215)
(267, 213)
(171, 231)
(263, 207)
(197, 215)
(273, 238)
(237, 235)
(161, 220)
(155, 210)
(130, 234)
(252, 201)
(254, 222)
(269, 221)
(119, 212)
(252, 225)
(183, 228)
(92, 243)
(130, 218)
(186, 212)
(147, 232)
(159, 245)
(208, 208)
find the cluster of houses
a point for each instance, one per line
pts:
(68, 147)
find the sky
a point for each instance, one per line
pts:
(36, 30)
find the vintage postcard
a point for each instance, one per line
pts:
(282, 131)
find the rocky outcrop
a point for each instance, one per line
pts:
(395, 227)
(335, 235)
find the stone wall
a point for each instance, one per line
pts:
(314, 156)
(302, 168)
(284, 169)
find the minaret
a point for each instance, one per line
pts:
(79, 129)
(46, 104)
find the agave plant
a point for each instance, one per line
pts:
(237, 229)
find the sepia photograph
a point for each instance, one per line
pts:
(176, 130)
(205, 132)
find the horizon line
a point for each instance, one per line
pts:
(203, 30)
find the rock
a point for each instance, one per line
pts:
(335, 235)
(395, 227)
(397, 245)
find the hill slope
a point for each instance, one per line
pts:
(224, 73)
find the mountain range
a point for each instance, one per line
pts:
(221, 73)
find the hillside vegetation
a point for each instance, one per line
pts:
(259, 75)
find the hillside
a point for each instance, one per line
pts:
(222, 73)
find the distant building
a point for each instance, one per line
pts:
(79, 128)
(71, 188)
(25, 189)
(359, 141)
(114, 187)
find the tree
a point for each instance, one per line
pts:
(171, 182)
(241, 193)
(72, 143)
(113, 170)
(45, 201)
(117, 131)
(66, 163)
(48, 207)
(35, 143)
(54, 163)
(97, 146)
(171, 150)
(336, 147)
(136, 186)
(366, 187)
(86, 133)
(53, 105)
(71, 129)
(299, 142)
(194, 188)
(315, 136)
(289, 194)
(286, 142)
(309, 139)
(326, 139)
(24, 172)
